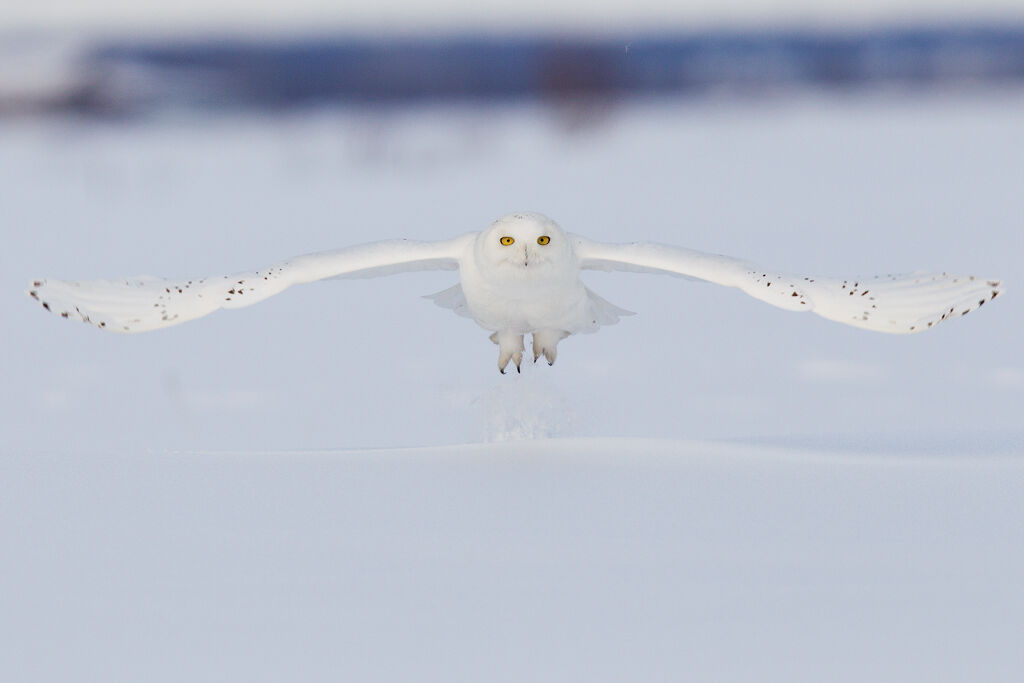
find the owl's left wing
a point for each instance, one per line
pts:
(900, 304)
(139, 304)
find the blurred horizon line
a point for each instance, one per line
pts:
(124, 76)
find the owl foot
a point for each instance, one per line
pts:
(545, 343)
(510, 348)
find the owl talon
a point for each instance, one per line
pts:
(545, 343)
(510, 348)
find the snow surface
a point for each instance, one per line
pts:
(740, 492)
(555, 560)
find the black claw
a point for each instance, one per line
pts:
(518, 370)
(501, 370)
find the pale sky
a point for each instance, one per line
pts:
(413, 15)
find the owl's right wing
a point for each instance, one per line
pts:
(139, 304)
(900, 304)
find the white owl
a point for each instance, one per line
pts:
(522, 276)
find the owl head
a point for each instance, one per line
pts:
(524, 244)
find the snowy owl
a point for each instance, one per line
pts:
(522, 276)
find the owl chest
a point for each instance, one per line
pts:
(522, 305)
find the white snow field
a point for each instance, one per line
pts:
(713, 489)
(557, 560)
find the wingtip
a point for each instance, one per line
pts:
(33, 293)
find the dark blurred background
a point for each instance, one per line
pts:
(121, 74)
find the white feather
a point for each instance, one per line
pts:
(140, 304)
(899, 304)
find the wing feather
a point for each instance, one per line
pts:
(899, 304)
(139, 304)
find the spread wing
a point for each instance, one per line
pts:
(139, 304)
(900, 304)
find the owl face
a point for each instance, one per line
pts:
(524, 245)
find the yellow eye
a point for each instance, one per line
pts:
(543, 239)
(506, 240)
